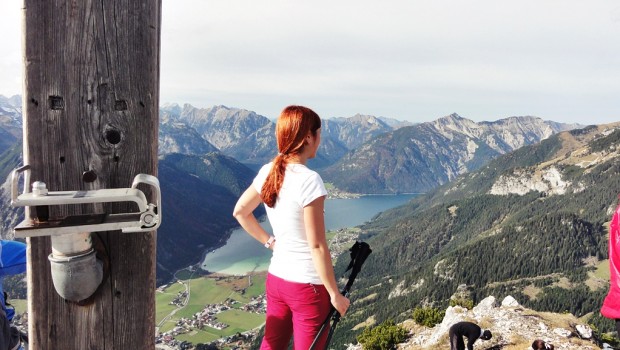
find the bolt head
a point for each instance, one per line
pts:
(39, 188)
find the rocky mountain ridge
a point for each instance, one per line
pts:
(420, 157)
(250, 137)
(540, 237)
(547, 177)
(373, 154)
(512, 325)
(10, 121)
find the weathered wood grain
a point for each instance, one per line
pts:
(91, 95)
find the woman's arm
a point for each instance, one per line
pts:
(243, 212)
(315, 233)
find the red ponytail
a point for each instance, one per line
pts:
(292, 127)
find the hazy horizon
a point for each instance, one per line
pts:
(406, 60)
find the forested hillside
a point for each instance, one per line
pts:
(483, 230)
(199, 194)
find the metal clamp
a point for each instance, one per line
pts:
(147, 219)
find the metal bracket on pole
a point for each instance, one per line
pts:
(148, 218)
(76, 271)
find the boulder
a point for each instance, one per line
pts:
(509, 301)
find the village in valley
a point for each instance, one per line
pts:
(207, 317)
(207, 308)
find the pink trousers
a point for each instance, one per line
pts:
(295, 309)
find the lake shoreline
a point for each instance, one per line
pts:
(241, 254)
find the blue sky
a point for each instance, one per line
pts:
(409, 60)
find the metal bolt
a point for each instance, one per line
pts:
(148, 219)
(39, 188)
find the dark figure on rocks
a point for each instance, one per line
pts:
(542, 345)
(469, 330)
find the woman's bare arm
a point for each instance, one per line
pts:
(315, 233)
(243, 212)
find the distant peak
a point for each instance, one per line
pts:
(452, 118)
(363, 116)
(170, 105)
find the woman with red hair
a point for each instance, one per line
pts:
(611, 305)
(301, 286)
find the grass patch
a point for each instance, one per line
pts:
(20, 305)
(162, 311)
(204, 336)
(531, 291)
(241, 321)
(602, 270)
(207, 291)
(184, 274)
(167, 326)
(329, 235)
(203, 291)
(563, 283)
(173, 289)
(163, 299)
(258, 286)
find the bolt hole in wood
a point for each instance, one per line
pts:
(62, 159)
(89, 176)
(113, 136)
(56, 103)
(120, 105)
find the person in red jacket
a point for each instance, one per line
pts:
(611, 305)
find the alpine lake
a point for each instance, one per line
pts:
(242, 254)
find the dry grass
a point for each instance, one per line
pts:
(531, 291)
(368, 298)
(594, 282)
(370, 321)
(553, 320)
(563, 283)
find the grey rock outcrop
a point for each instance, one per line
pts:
(511, 325)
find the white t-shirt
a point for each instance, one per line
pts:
(291, 258)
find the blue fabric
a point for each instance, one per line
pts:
(12, 257)
(12, 262)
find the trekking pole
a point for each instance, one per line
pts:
(359, 252)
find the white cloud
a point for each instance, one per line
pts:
(416, 60)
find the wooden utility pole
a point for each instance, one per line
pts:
(91, 96)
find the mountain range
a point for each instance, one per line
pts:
(518, 206)
(200, 147)
(250, 138)
(418, 158)
(530, 224)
